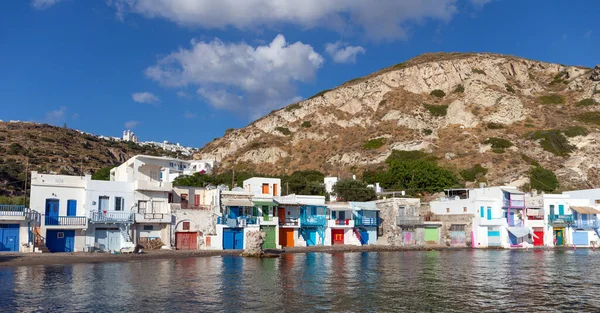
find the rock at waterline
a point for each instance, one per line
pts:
(254, 242)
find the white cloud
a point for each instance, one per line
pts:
(56, 116)
(44, 4)
(189, 115)
(385, 19)
(239, 77)
(144, 97)
(480, 3)
(341, 52)
(588, 34)
(131, 124)
(182, 94)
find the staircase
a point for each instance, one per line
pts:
(39, 242)
(124, 228)
(357, 234)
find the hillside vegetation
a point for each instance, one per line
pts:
(509, 116)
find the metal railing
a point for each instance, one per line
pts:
(560, 219)
(367, 221)
(409, 220)
(342, 222)
(516, 223)
(585, 224)
(111, 217)
(288, 222)
(313, 220)
(239, 221)
(65, 220)
(12, 210)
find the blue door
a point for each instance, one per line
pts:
(52, 206)
(580, 238)
(60, 240)
(311, 239)
(364, 236)
(9, 237)
(71, 207)
(234, 212)
(489, 213)
(233, 239)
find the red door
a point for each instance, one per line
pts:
(539, 241)
(186, 241)
(337, 236)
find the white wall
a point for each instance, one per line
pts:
(61, 187)
(254, 186)
(111, 189)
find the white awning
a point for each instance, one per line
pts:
(534, 212)
(513, 191)
(520, 231)
(339, 206)
(585, 209)
(237, 202)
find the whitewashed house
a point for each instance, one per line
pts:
(585, 206)
(499, 217)
(195, 211)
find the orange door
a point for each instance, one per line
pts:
(186, 241)
(286, 237)
(337, 236)
(274, 190)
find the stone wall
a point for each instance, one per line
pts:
(392, 234)
(448, 220)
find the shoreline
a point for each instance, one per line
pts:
(30, 259)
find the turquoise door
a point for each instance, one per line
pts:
(311, 239)
(561, 209)
(489, 213)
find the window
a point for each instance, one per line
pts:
(148, 227)
(447, 210)
(119, 203)
(333, 215)
(71, 207)
(103, 203)
(60, 235)
(142, 205)
(157, 206)
(597, 201)
(481, 212)
(186, 225)
(455, 227)
(464, 209)
(265, 189)
(196, 200)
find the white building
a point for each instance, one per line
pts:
(128, 135)
(585, 206)
(499, 215)
(263, 187)
(162, 170)
(330, 181)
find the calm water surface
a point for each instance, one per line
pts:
(460, 281)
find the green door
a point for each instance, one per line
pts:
(431, 235)
(559, 237)
(270, 239)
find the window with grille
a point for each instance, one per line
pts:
(148, 227)
(455, 227)
(186, 225)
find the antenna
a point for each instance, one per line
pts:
(25, 187)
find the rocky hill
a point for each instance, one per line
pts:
(503, 112)
(56, 150)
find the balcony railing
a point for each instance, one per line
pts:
(367, 221)
(65, 220)
(12, 210)
(288, 222)
(409, 220)
(514, 203)
(239, 221)
(587, 224)
(111, 217)
(342, 222)
(313, 220)
(560, 219)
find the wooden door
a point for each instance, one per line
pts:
(337, 236)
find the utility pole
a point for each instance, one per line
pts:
(233, 179)
(287, 188)
(25, 187)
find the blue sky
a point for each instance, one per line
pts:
(186, 70)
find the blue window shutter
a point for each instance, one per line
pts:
(481, 212)
(489, 213)
(561, 209)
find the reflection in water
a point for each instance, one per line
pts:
(412, 281)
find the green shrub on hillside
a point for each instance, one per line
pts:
(586, 102)
(320, 94)
(559, 78)
(459, 89)
(492, 125)
(510, 88)
(575, 131)
(552, 99)
(478, 71)
(553, 141)
(436, 110)
(284, 130)
(292, 107)
(305, 124)
(374, 143)
(473, 173)
(543, 179)
(498, 144)
(438, 93)
(399, 65)
(529, 160)
(590, 117)
(427, 132)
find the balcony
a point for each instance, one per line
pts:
(65, 221)
(560, 220)
(313, 220)
(293, 222)
(516, 223)
(12, 212)
(404, 220)
(268, 220)
(152, 217)
(241, 221)
(586, 224)
(144, 185)
(368, 221)
(111, 217)
(340, 223)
